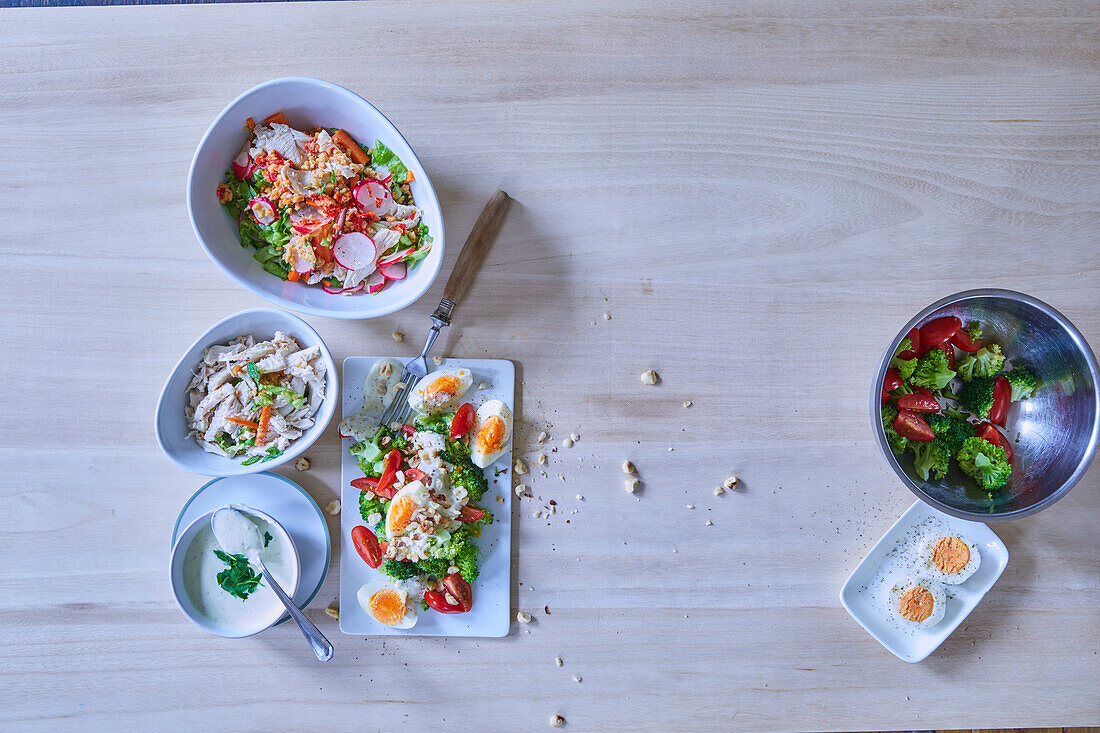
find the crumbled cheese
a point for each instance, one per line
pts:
(374, 519)
(398, 336)
(333, 507)
(650, 377)
(631, 485)
(628, 467)
(523, 617)
(302, 464)
(520, 467)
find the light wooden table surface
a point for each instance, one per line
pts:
(758, 195)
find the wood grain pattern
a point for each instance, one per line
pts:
(473, 252)
(757, 194)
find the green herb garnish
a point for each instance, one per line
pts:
(238, 579)
(267, 538)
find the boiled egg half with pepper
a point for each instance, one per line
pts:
(491, 433)
(441, 390)
(387, 604)
(918, 602)
(404, 506)
(949, 559)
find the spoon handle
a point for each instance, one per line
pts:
(321, 646)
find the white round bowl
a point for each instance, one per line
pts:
(170, 421)
(179, 553)
(306, 103)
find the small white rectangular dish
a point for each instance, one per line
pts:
(490, 615)
(865, 594)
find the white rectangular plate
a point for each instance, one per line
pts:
(490, 614)
(865, 593)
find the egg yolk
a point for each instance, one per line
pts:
(443, 387)
(387, 606)
(950, 554)
(490, 437)
(916, 604)
(400, 514)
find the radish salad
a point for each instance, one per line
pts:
(321, 209)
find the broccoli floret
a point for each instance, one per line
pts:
(954, 412)
(905, 367)
(975, 330)
(950, 430)
(976, 397)
(436, 566)
(440, 423)
(985, 463)
(930, 457)
(1023, 383)
(466, 562)
(465, 473)
(932, 370)
(898, 443)
(400, 570)
(370, 504)
(985, 362)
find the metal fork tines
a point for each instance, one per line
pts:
(398, 411)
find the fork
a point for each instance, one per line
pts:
(469, 259)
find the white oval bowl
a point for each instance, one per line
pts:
(170, 421)
(306, 103)
(179, 553)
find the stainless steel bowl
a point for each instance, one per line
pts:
(1054, 433)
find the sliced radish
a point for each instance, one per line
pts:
(373, 197)
(301, 265)
(354, 250)
(383, 174)
(375, 282)
(243, 166)
(263, 211)
(395, 257)
(396, 271)
(337, 228)
(352, 291)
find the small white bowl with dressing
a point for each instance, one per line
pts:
(194, 569)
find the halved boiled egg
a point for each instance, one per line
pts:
(920, 602)
(403, 507)
(950, 559)
(441, 390)
(387, 604)
(491, 433)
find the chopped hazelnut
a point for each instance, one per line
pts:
(631, 485)
(398, 336)
(628, 467)
(333, 610)
(333, 507)
(687, 403)
(523, 617)
(650, 377)
(520, 468)
(302, 464)
(556, 721)
(730, 482)
(543, 436)
(566, 443)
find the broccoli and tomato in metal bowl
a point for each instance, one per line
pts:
(986, 405)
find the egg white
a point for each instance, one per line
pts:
(490, 409)
(366, 591)
(935, 573)
(419, 401)
(939, 602)
(415, 490)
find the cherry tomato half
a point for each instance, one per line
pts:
(470, 514)
(366, 544)
(1001, 393)
(462, 421)
(962, 340)
(390, 467)
(911, 425)
(918, 403)
(438, 601)
(460, 590)
(370, 483)
(891, 381)
(408, 430)
(414, 474)
(914, 344)
(937, 331)
(986, 431)
(948, 349)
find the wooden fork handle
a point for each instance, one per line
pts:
(477, 245)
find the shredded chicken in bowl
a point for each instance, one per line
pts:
(255, 398)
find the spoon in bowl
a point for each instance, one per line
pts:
(239, 535)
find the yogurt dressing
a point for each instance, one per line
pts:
(201, 567)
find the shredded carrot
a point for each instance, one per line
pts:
(261, 429)
(242, 421)
(277, 117)
(293, 275)
(250, 124)
(408, 176)
(350, 147)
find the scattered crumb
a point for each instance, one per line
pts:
(537, 515)
(561, 477)
(690, 506)
(557, 661)
(541, 460)
(576, 678)
(556, 721)
(500, 499)
(437, 360)
(650, 377)
(566, 443)
(670, 449)
(520, 488)
(628, 467)
(333, 507)
(543, 436)
(333, 610)
(718, 491)
(607, 316)
(398, 386)
(520, 467)
(730, 482)
(688, 403)
(302, 464)
(523, 617)
(580, 498)
(482, 385)
(575, 437)
(631, 485)
(398, 336)
(542, 473)
(710, 523)
(553, 510)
